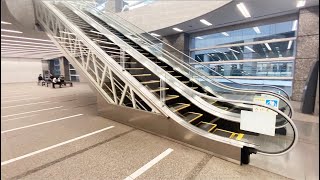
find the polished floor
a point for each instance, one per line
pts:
(56, 134)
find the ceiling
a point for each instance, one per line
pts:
(18, 40)
(229, 15)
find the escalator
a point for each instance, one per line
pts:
(126, 74)
(284, 104)
(216, 90)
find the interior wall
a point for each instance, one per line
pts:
(17, 70)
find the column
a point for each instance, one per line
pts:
(307, 49)
(114, 5)
(316, 107)
(179, 42)
(61, 63)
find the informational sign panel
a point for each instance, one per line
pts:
(258, 122)
(266, 100)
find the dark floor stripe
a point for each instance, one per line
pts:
(68, 156)
(196, 170)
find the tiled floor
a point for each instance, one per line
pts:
(37, 118)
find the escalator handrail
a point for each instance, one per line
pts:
(295, 130)
(146, 39)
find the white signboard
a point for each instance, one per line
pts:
(258, 122)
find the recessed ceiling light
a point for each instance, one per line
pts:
(177, 29)
(267, 45)
(18, 37)
(257, 30)
(8, 30)
(294, 25)
(3, 22)
(289, 44)
(243, 10)
(226, 34)
(154, 34)
(250, 49)
(205, 22)
(27, 42)
(199, 37)
(301, 3)
(234, 50)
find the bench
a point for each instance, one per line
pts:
(62, 83)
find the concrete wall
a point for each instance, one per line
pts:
(14, 70)
(307, 49)
(179, 42)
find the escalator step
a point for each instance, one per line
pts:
(206, 126)
(179, 106)
(134, 68)
(177, 76)
(151, 82)
(170, 97)
(223, 133)
(191, 116)
(139, 75)
(127, 62)
(159, 89)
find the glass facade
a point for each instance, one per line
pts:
(260, 52)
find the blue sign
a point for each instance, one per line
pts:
(273, 103)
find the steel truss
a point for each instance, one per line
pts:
(115, 89)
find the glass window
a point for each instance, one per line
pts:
(261, 51)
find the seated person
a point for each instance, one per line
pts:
(56, 81)
(39, 79)
(62, 80)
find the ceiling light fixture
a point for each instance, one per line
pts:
(250, 49)
(267, 45)
(226, 34)
(18, 37)
(199, 37)
(177, 29)
(3, 22)
(154, 34)
(257, 30)
(234, 50)
(205, 22)
(27, 42)
(243, 10)
(294, 25)
(301, 3)
(12, 31)
(11, 47)
(289, 44)
(25, 45)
